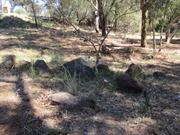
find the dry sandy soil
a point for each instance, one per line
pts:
(25, 110)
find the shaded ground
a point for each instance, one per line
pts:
(24, 108)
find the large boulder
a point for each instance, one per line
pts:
(127, 84)
(135, 71)
(41, 67)
(78, 68)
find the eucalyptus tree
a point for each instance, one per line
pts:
(172, 13)
(30, 5)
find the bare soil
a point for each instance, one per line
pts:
(24, 105)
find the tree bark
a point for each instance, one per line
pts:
(144, 23)
(97, 17)
(34, 14)
(102, 18)
(116, 19)
(154, 35)
(170, 34)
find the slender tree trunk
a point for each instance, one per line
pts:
(97, 17)
(116, 19)
(168, 36)
(154, 35)
(102, 18)
(144, 24)
(34, 14)
(161, 38)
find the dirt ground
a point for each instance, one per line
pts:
(25, 110)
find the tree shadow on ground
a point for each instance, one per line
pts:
(21, 119)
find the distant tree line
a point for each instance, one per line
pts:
(161, 16)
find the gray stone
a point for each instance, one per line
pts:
(63, 98)
(73, 103)
(41, 68)
(129, 85)
(78, 68)
(135, 71)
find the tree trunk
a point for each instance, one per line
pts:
(161, 38)
(102, 18)
(116, 19)
(172, 34)
(154, 35)
(97, 17)
(34, 14)
(168, 36)
(144, 24)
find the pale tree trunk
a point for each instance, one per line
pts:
(161, 38)
(97, 17)
(144, 23)
(172, 34)
(168, 36)
(174, 23)
(162, 30)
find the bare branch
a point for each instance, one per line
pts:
(77, 31)
(92, 3)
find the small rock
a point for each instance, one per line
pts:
(63, 98)
(9, 61)
(176, 98)
(159, 75)
(73, 103)
(134, 71)
(148, 57)
(127, 84)
(102, 67)
(87, 102)
(41, 67)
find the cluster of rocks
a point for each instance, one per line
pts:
(127, 82)
(81, 69)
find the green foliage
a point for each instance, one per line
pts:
(71, 83)
(32, 73)
(20, 11)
